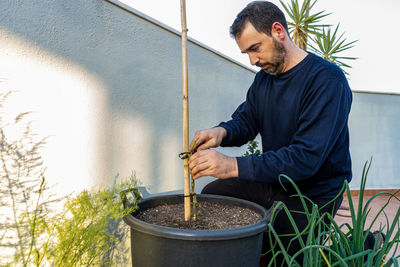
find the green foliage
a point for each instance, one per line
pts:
(24, 196)
(303, 25)
(330, 244)
(328, 45)
(307, 31)
(88, 231)
(33, 223)
(252, 148)
(81, 234)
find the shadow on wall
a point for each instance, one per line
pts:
(122, 112)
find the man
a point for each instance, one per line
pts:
(299, 104)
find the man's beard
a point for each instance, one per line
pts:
(278, 64)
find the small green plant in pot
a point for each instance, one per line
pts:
(252, 148)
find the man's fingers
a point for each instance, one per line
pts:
(203, 139)
(212, 163)
(206, 145)
(197, 140)
(199, 165)
(207, 171)
(202, 147)
(193, 144)
(199, 175)
(199, 169)
(195, 159)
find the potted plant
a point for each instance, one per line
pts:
(155, 245)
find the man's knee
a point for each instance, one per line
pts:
(225, 187)
(214, 188)
(208, 189)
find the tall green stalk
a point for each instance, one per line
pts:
(33, 224)
(21, 172)
(195, 204)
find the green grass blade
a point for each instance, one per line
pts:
(282, 248)
(337, 256)
(393, 262)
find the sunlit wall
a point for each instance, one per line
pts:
(67, 103)
(104, 83)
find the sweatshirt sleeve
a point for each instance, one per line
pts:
(243, 126)
(323, 118)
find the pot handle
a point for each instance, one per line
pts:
(137, 196)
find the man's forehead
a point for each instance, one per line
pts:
(249, 38)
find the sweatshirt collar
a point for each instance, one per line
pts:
(295, 69)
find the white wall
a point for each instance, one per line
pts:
(105, 84)
(374, 133)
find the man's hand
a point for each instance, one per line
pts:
(212, 163)
(208, 138)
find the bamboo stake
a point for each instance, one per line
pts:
(185, 120)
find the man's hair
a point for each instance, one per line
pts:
(261, 14)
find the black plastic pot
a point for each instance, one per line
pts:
(153, 245)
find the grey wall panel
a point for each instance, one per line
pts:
(138, 61)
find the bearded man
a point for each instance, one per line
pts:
(299, 103)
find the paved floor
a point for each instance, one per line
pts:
(343, 215)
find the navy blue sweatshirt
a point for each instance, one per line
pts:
(302, 117)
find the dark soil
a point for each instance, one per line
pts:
(212, 216)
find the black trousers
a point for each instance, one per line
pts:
(265, 195)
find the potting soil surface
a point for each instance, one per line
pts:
(212, 216)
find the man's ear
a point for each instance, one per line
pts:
(278, 31)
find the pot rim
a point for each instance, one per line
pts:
(202, 235)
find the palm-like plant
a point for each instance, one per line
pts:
(329, 44)
(307, 30)
(303, 25)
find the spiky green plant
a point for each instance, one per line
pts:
(331, 244)
(302, 25)
(329, 44)
(308, 31)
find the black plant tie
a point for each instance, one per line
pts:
(185, 155)
(190, 195)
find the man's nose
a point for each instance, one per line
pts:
(253, 59)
